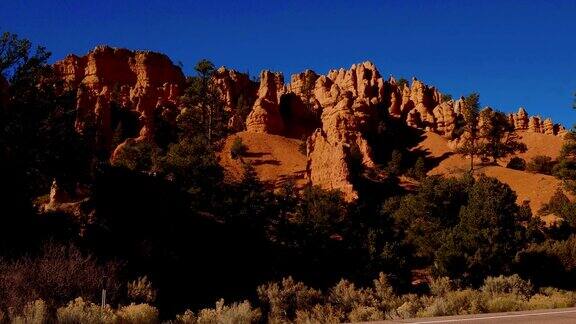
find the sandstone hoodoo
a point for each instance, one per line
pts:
(120, 87)
(265, 115)
(332, 112)
(337, 109)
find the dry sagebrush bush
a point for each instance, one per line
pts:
(79, 311)
(321, 313)
(501, 285)
(35, 312)
(138, 314)
(141, 291)
(459, 302)
(441, 286)
(411, 305)
(346, 297)
(56, 275)
(506, 303)
(281, 301)
(236, 313)
(552, 298)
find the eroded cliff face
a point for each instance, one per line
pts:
(265, 116)
(345, 105)
(534, 124)
(333, 112)
(238, 93)
(117, 84)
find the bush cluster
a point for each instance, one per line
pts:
(541, 164)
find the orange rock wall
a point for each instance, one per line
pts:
(136, 80)
(333, 111)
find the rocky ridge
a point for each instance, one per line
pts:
(351, 103)
(333, 112)
(114, 83)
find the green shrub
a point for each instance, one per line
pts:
(303, 147)
(135, 155)
(79, 311)
(236, 313)
(402, 82)
(138, 314)
(501, 285)
(446, 97)
(394, 166)
(418, 171)
(517, 163)
(541, 164)
(238, 149)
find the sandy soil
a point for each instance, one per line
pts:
(276, 159)
(532, 187)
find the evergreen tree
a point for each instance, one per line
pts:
(497, 136)
(469, 129)
(204, 114)
(565, 169)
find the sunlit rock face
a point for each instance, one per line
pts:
(332, 112)
(114, 84)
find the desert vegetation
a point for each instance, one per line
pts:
(160, 228)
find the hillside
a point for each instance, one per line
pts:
(532, 187)
(127, 176)
(276, 159)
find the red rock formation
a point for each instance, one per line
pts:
(265, 115)
(335, 109)
(138, 81)
(548, 127)
(445, 117)
(534, 125)
(521, 119)
(328, 165)
(347, 100)
(236, 89)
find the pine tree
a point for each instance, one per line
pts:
(469, 130)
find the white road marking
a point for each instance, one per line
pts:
(493, 317)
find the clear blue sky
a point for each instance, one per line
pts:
(514, 53)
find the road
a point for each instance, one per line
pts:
(548, 316)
